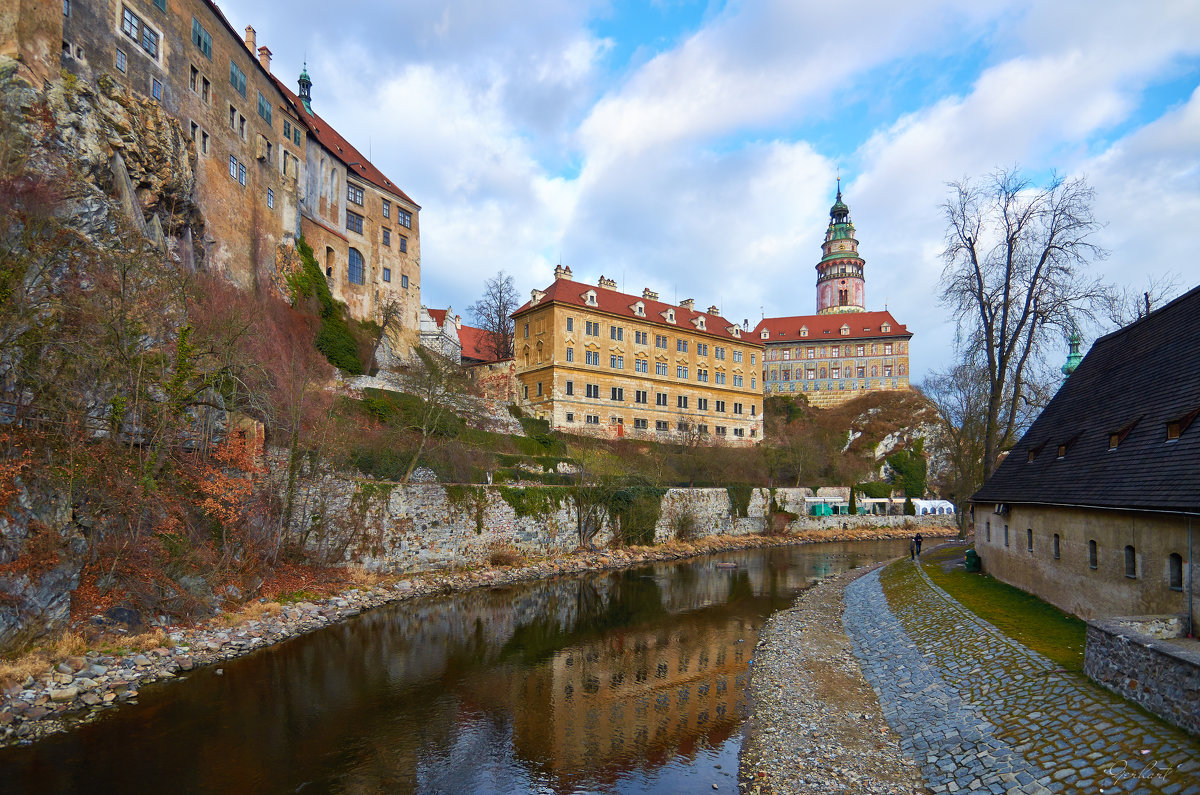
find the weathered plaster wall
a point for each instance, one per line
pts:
(1161, 676)
(1069, 581)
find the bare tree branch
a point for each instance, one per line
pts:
(492, 314)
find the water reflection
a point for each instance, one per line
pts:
(607, 681)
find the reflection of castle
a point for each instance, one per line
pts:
(642, 694)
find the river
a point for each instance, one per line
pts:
(631, 681)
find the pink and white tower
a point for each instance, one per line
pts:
(840, 284)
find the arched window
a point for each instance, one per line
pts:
(1057, 550)
(1130, 561)
(328, 262)
(356, 267)
(1175, 571)
(1093, 554)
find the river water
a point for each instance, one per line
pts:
(630, 681)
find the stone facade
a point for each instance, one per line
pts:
(267, 169)
(363, 229)
(596, 361)
(1146, 667)
(1078, 560)
(418, 527)
(221, 92)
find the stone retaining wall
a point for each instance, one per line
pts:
(425, 527)
(1162, 676)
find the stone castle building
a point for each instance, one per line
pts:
(842, 351)
(266, 168)
(597, 361)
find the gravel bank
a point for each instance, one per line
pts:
(816, 725)
(80, 689)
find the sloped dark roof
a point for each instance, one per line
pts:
(1132, 382)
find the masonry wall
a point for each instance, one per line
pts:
(1162, 677)
(418, 527)
(250, 205)
(1069, 581)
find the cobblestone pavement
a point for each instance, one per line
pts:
(982, 713)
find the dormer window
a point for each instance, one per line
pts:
(804, 331)
(639, 309)
(845, 331)
(670, 315)
(885, 328)
(700, 323)
(1031, 455)
(590, 297)
(1176, 428)
(766, 335)
(737, 332)
(1114, 439)
(1062, 451)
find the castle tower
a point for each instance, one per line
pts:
(840, 285)
(305, 83)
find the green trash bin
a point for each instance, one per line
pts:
(973, 561)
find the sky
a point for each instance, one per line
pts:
(693, 147)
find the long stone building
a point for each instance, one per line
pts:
(1097, 507)
(597, 361)
(843, 350)
(266, 168)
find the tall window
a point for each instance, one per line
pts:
(1130, 561)
(201, 38)
(1005, 535)
(264, 108)
(387, 274)
(1029, 539)
(354, 193)
(356, 267)
(1093, 554)
(1175, 572)
(354, 222)
(237, 78)
(405, 217)
(1057, 547)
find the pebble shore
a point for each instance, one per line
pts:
(81, 689)
(817, 726)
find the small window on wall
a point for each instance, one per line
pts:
(403, 244)
(387, 274)
(1005, 535)
(1057, 547)
(270, 198)
(1029, 539)
(403, 280)
(1175, 572)
(121, 60)
(1093, 555)
(355, 271)
(1130, 562)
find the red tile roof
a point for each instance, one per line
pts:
(475, 344)
(340, 148)
(438, 315)
(565, 291)
(863, 325)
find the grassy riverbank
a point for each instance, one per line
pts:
(1022, 616)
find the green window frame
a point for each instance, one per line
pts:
(202, 38)
(264, 108)
(237, 78)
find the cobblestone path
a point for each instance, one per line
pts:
(982, 713)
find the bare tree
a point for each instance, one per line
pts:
(388, 314)
(1126, 305)
(960, 395)
(439, 378)
(1016, 258)
(492, 314)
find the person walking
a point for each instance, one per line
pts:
(912, 549)
(917, 544)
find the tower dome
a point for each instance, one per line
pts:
(840, 283)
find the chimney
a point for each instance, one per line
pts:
(559, 272)
(746, 324)
(649, 294)
(264, 58)
(712, 310)
(608, 284)
(458, 321)
(688, 303)
(251, 40)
